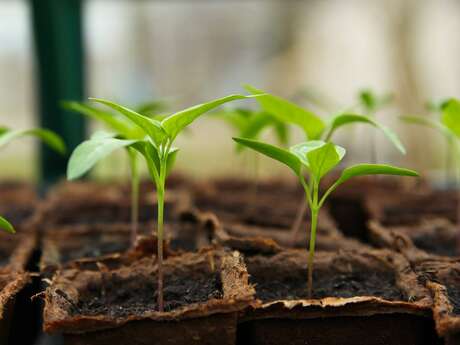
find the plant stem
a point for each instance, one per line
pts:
(160, 233)
(311, 254)
(134, 196)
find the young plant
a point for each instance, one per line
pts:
(122, 129)
(445, 124)
(156, 147)
(317, 158)
(315, 128)
(48, 137)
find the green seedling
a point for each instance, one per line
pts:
(317, 158)
(122, 128)
(447, 124)
(156, 147)
(315, 128)
(48, 137)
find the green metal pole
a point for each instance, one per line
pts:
(57, 30)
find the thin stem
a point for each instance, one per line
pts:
(160, 231)
(311, 254)
(134, 196)
(160, 193)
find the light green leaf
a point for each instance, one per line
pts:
(175, 123)
(50, 138)
(152, 157)
(372, 102)
(281, 132)
(301, 150)
(103, 135)
(324, 159)
(150, 126)
(451, 116)
(373, 169)
(118, 124)
(288, 112)
(281, 155)
(347, 119)
(236, 118)
(419, 120)
(6, 226)
(89, 152)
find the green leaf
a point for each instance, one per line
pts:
(236, 118)
(373, 169)
(150, 126)
(281, 132)
(102, 135)
(324, 159)
(372, 102)
(281, 155)
(6, 226)
(451, 116)
(419, 120)
(3, 130)
(113, 122)
(175, 123)
(152, 157)
(50, 138)
(288, 112)
(89, 152)
(301, 150)
(347, 119)
(318, 156)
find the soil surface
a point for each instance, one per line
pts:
(288, 281)
(138, 294)
(17, 215)
(454, 297)
(436, 245)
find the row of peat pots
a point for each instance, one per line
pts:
(387, 267)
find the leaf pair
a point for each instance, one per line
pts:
(157, 137)
(319, 158)
(312, 125)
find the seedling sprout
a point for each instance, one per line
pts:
(317, 158)
(157, 149)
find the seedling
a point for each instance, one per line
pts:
(317, 158)
(123, 129)
(315, 128)
(449, 126)
(48, 137)
(156, 147)
(447, 123)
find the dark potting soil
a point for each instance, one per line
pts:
(138, 294)
(453, 291)
(93, 249)
(272, 284)
(436, 245)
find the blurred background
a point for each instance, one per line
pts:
(319, 53)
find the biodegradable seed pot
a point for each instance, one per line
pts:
(63, 245)
(10, 285)
(202, 295)
(359, 297)
(436, 236)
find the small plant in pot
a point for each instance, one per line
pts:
(316, 158)
(157, 149)
(48, 137)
